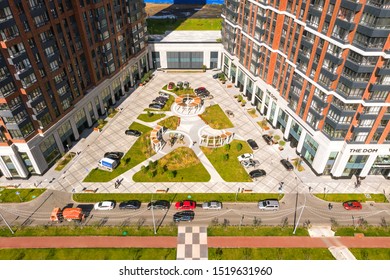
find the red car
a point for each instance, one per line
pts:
(185, 205)
(352, 205)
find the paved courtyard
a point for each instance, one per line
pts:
(93, 145)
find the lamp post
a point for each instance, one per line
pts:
(7, 224)
(296, 206)
(154, 221)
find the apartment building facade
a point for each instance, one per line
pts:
(63, 63)
(319, 71)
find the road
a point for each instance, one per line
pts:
(294, 209)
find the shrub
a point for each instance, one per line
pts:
(226, 157)
(151, 174)
(171, 174)
(144, 168)
(227, 147)
(282, 143)
(100, 121)
(152, 164)
(277, 137)
(239, 147)
(150, 114)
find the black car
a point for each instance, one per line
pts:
(268, 139)
(133, 132)
(216, 75)
(253, 144)
(287, 164)
(130, 204)
(156, 106)
(202, 91)
(257, 173)
(159, 205)
(184, 216)
(160, 100)
(114, 155)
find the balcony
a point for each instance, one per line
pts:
(353, 5)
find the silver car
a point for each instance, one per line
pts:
(212, 205)
(250, 163)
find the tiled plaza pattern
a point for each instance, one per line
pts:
(192, 243)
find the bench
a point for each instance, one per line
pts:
(246, 191)
(90, 191)
(161, 191)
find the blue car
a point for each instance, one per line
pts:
(184, 216)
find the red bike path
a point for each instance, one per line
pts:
(171, 242)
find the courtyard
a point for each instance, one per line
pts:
(246, 125)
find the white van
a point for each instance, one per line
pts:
(269, 204)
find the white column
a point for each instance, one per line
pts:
(288, 127)
(245, 82)
(19, 165)
(150, 58)
(147, 62)
(301, 140)
(74, 129)
(139, 69)
(276, 115)
(262, 104)
(230, 66)
(95, 112)
(102, 108)
(122, 86)
(269, 109)
(367, 167)
(89, 119)
(131, 77)
(112, 94)
(237, 70)
(57, 138)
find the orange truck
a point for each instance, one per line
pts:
(69, 214)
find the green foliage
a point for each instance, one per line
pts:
(276, 137)
(9, 195)
(282, 143)
(151, 173)
(226, 157)
(239, 147)
(100, 121)
(171, 174)
(227, 147)
(150, 114)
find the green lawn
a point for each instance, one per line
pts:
(216, 118)
(371, 253)
(220, 230)
(9, 195)
(179, 92)
(373, 231)
(64, 161)
(171, 122)
(89, 254)
(181, 165)
(230, 170)
(140, 151)
(269, 254)
(159, 26)
(150, 117)
(351, 196)
(146, 197)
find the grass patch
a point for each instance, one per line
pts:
(150, 117)
(216, 118)
(181, 165)
(90, 230)
(140, 151)
(371, 253)
(373, 231)
(178, 91)
(352, 196)
(101, 124)
(171, 122)
(159, 26)
(89, 254)
(64, 161)
(220, 230)
(229, 167)
(145, 197)
(10, 196)
(269, 254)
(113, 113)
(252, 113)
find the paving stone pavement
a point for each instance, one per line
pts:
(192, 243)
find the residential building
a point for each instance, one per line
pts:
(63, 63)
(320, 71)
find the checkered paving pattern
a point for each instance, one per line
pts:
(192, 243)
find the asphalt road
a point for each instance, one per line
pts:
(294, 209)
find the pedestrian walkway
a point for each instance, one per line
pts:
(192, 243)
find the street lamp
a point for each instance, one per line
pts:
(154, 221)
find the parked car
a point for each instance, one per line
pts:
(133, 132)
(269, 204)
(268, 139)
(229, 113)
(257, 173)
(212, 205)
(216, 75)
(245, 157)
(104, 205)
(253, 144)
(179, 84)
(156, 106)
(159, 205)
(287, 164)
(186, 84)
(159, 100)
(185, 205)
(250, 163)
(184, 216)
(130, 204)
(164, 94)
(113, 155)
(202, 91)
(352, 205)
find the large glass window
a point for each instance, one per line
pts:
(50, 149)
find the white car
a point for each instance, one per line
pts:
(245, 157)
(104, 205)
(250, 163)
(164, 94)
(212, 205)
